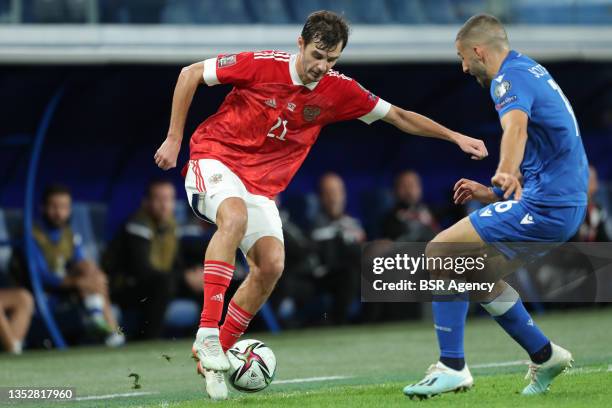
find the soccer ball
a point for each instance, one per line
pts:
(252, 365)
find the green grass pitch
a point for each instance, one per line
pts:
(365, 366)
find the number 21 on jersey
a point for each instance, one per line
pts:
(279, 130)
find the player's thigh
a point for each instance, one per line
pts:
(461, 231)
(459, 239)
(263, 221)
(13, 298)
(263, 242)
(208, 183)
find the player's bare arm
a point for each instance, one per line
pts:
(188, 81)
(466, 190)
(413, 123)
(514, 139)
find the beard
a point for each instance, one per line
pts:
(484, 82)
(480, 73)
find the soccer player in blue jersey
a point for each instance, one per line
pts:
(540, 142)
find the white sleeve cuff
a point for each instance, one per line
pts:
(379, 111)
(210, 72)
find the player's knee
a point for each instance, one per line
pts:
(25, 299)
(270, 270)
(434, 250)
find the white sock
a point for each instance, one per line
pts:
(94, 303)
(17, 347)
(502, 303)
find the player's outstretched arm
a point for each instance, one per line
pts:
(413, 123)
(188, 81)
(514, 139)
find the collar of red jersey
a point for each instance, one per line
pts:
(294, 74)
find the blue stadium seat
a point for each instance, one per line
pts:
(300, 9)
(374, 206)
(303, 208)
(465, 9)
(88, 221)
(537, 12)
(5, 248)
(13, 219)
(269, 11)
(206, 12)
(177, 12)
(138, 11)
(596, 12)
(55, 11)
(221, 12)
(5, 11)
(440, 12)
(407, 11)
(360, 12)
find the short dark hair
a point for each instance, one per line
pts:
(404, 173)
(157, 182)
(325, 28)
(54, 189)
(484, 27)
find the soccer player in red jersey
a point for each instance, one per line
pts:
(247, 152)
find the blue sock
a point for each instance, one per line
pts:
(510, 313)
(449, 322)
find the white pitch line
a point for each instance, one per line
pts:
(110, 396)
(312, 379)
(501, 364)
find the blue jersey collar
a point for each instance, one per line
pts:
(512, 55)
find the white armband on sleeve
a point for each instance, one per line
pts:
(379, 111)
(210, 72)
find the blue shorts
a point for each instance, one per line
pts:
(520, 221)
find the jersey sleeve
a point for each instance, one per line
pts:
(512, 90)
(359, 103)
(235, 69)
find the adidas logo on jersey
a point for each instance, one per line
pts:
(527, 219)
(217, 298)
(271, 102)
(486, 213)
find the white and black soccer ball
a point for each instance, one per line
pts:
(252, 365)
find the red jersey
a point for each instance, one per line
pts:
(267, 124)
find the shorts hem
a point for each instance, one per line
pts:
(248, 241)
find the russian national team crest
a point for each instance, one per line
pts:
(215, 178)
(226, 61)
(311, 112)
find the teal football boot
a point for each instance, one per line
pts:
(542, 375)
(438, 380)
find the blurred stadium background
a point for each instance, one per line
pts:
(86, 88)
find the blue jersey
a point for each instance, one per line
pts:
(555, 169)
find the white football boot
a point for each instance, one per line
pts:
(207, 350)
(215, 383)
(438, 380)
(542, 375)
